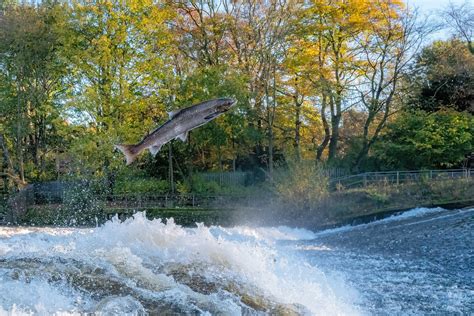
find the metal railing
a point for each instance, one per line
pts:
(228, 178)
(144, 200)
(398, 177)
(171, 200)
(30, 197)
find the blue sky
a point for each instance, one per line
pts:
(433, 7)
(430, 5)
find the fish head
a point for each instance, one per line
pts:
(225, 104)
(219, 106)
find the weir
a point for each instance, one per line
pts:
(147, 266)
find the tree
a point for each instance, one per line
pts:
(417, 140)
(460, 18)
(443, 76)
(31, 81)
(387, 48)
(203, 51)
(119, 52)
(219, 140)
(250, 36)
(324, 51)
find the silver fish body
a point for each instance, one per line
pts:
(179, 124)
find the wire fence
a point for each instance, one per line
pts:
(398, 177)
(229, 178)
(30, 197)
(59, 194)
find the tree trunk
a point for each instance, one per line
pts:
(297, 144)
(170, 168)
(365, 143)
(234, 155)
(270, 151)
(19, 138)
(221, 163)
(8, 170)
(327, 131)
(335, 121)
(270, 119)
(6, 164)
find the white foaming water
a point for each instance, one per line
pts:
(36, 297)
(416, 212)
(269, 235)
(211, 270)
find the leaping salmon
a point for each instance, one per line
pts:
(178, 126)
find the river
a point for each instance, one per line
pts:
(416, 263)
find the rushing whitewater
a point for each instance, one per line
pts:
(145, 266)
(416, 263)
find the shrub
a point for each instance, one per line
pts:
(197, 184)
(145, 185)
(301, 184)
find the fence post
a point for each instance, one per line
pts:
(431, 174)
(365, 179)
(398, 177)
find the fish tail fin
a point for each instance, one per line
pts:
(128, 151)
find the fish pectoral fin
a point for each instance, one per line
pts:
(183, 136)
(171, 114)
(211, 116)
(154, 149)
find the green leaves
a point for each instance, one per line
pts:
(418, 140)
(31, 83)
(77, 78)
(119, 57)
(444, 77)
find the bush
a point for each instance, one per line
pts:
(301, 184)
(146, 185)
(197, 184)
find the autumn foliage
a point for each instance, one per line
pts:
(316, 81)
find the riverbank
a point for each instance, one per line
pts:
(378, 215)
(338, 208)
(365, 204)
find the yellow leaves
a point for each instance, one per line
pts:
(102, 46)
(351, 16)
(136, 6)
(331, 29)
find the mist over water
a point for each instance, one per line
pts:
(415, 263)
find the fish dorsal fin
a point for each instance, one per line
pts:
(154, 149)
(183, 136)
(171, 114)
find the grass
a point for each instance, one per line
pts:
(342, 206)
